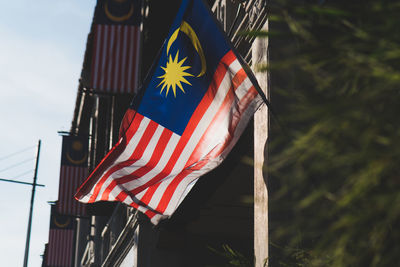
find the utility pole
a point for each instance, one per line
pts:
(28, 234)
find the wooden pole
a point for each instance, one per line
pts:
(261, 124)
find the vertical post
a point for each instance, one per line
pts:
(261, 125)
(28, 234)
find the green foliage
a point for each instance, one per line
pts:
(334, 185)
(232, 257)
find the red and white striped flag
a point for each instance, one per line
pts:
(169, 139)
(73, 171)
(61, 240)
(116, 44)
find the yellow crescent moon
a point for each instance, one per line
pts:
(76, 162)
(188, 30)
(61, 225)
(118, 18)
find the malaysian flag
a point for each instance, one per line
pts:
(61, 240)
(195, 106)
(73, 171)
(116, 43)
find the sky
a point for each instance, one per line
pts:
(42, 44)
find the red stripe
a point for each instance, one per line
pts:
(149, 193)
(113, 154)
(137, 153)
(134, 125)
(135, 156)
(155, 158)
(126, 121)
(150, 213)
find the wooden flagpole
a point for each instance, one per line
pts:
(261, 125)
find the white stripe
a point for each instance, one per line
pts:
(134, 141)
(243, 88)
(159, 193)
(125, 155)
(157, 218)
(149, 150)
(169, 149)
(181, 191)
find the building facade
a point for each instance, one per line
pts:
(219, 209)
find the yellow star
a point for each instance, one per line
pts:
(174, 75)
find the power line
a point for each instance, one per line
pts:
(17, 164)
(16, 153)
(21, 174)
